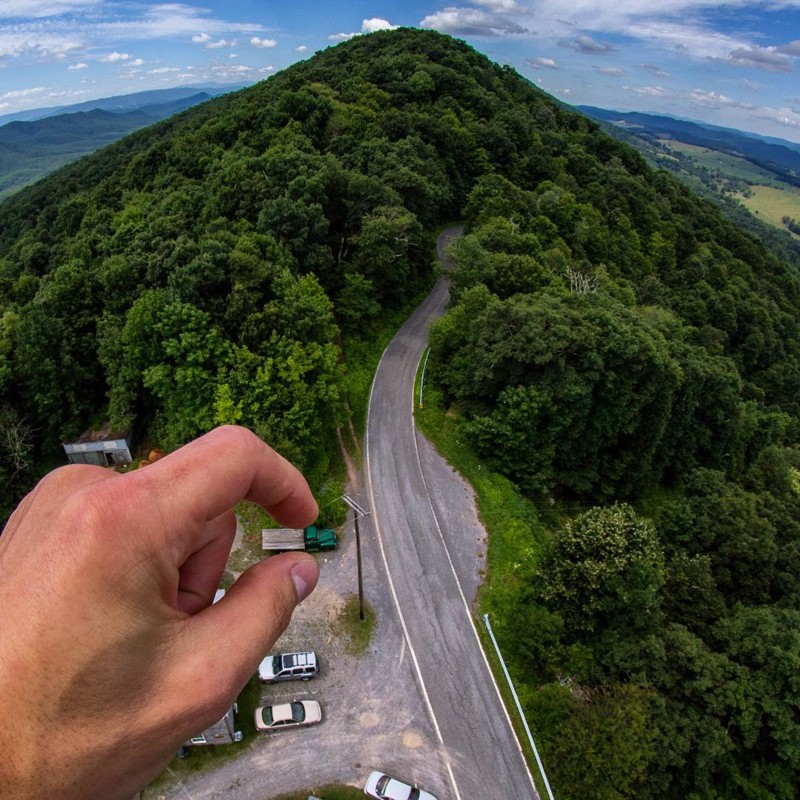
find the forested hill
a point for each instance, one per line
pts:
(612, 337)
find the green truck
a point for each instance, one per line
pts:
(313, 539)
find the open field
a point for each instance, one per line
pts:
(770, 204)
(732, 166)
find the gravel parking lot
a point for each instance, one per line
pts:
(374, 715)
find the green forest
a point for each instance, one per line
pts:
(615, 347)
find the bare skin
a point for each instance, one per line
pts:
(111, 652)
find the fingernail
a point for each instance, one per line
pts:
(304, 576)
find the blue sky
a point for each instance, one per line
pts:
(734, 63)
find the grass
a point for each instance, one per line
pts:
(770, 204)
(355, 633)
(326, 793)
(731, 166)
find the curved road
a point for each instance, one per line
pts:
(482, 757)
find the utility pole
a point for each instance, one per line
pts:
(358, 512)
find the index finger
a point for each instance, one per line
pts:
(208, 476)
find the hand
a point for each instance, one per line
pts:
(111, 652)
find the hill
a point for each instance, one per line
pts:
(780, 158)
(39, 141)
(617, 352)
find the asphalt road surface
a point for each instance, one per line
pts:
(418, 540)
(421, 704)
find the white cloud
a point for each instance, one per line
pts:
(79, 65)
(376, 24)
(788, 117)
(472, 22)
(44, 8)
(791, 49)
(113, 57)
(612, 72)
(542, 63)
(654, 91)
(767, 58)
(500, 5)
(655, 70)
(221, 43)
(18, 94)
(710, 99)
(256, 41)
(137, 62)
(585, 44)
(367, 26)
(301, 48)
(26, 40)
(201, 38)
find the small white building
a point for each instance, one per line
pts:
(102, 447)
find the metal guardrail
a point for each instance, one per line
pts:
(519, 706)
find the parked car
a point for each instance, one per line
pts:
(288, 715)
(381, 786)
(288, 667)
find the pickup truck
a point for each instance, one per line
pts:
(312, 539)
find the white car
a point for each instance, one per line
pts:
(288, 667)
(383, 787)
(287, 715)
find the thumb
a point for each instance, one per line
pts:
(231, 636)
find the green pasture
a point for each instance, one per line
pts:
(730, 166)
(770, 204)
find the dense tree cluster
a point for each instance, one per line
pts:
(612, 340)
(611, 337)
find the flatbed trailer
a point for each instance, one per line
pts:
(311, 539)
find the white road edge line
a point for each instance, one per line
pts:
(391, 584)
(464, 599)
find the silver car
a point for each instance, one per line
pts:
(383, 787)
(287, 715)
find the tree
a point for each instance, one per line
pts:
(605, 569)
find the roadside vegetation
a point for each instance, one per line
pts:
(618, 374)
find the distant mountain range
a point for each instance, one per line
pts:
(780, 157)
(36, 142)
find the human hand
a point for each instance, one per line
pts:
(111, 652)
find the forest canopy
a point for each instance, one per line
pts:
(613, 343)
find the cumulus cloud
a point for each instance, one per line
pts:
(111, 58)
(201, 38)
(791, 49)
(542, 63)
(585, 44)
(79, 65)
(20, 41)
(18, 94)
(367, 26)
(472, 22)
(711, 99)
(376, 24)
(256, 41)
(767, 58)
(654, 91)
(612, 72)
(219, 44)
(655, 70)
(302, 48)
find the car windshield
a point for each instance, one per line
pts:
(266, 715)
(277, 664)
(298, 712)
